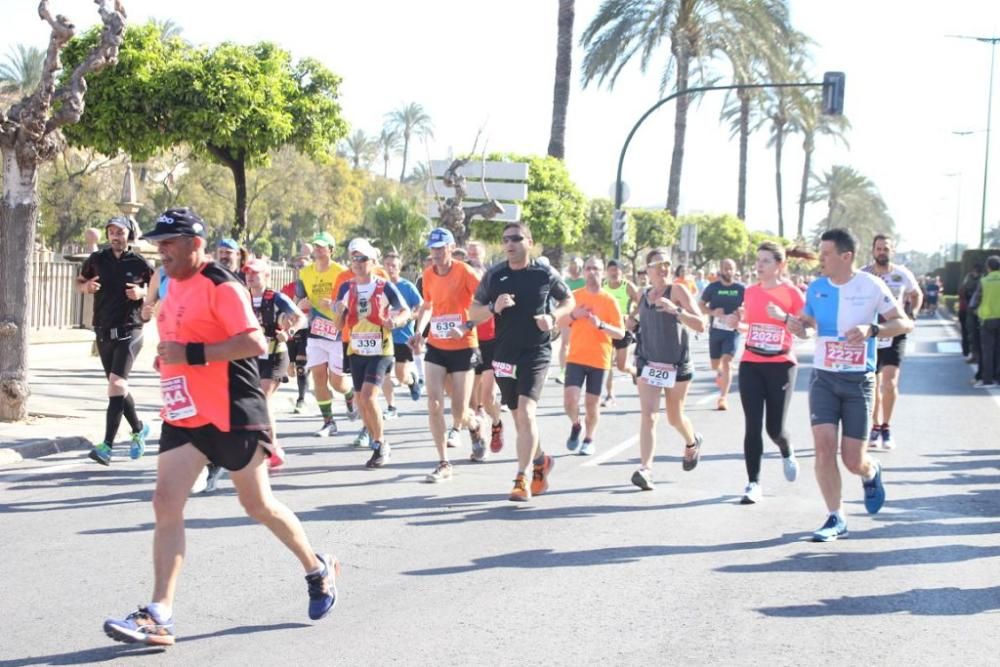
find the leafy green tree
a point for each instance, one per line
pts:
(232, 103)
(77, 190)
(696, 30)
(719, 236)
(410, 121)
(596, 239)
(395, 222)
(648, 229)
(22, 71)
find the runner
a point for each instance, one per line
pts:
(228, 254)
(297, 352)
(592, 325)
(484, 399)
(932, 288)
(214, 411)
(664, 313)
(518, 292)
(890, 351)
(574, 280)
(452, 349)
(279, 319)
(324, 349)
(843, 306)
(625, 294)
(769, 367)
(402, 352)
(118, 277)
(369, 308)
(723, 300)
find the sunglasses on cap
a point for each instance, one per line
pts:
(514, 238)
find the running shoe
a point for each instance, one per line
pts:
(381, 452)
(833, 529)
(101, 452)
(587, 448)
(414, 387)
(276, 459)
(560, 377)
(887, 441)
(441, 474)
(212, 481)
(790, 466)
(201, 481)
(722, 404)
(985, 385)
(300, 406)
(496, 437)
(608, 402)
(875, 437)
(322, 587)
(643, 478)
(140, 627)
(328, 428)
(362, 439)
(573, 441)
(479, 451)
(138, 446)
(689, 464)
(874, 490)
(391, 412)
(752, 494)
(540, 475)
(451, 438)
(520, 493)
(352, 411)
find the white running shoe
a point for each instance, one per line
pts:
(790, 466)
(752, 494)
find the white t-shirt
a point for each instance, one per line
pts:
(899, 279)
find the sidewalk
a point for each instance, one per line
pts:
(69, 396)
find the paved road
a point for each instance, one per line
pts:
(592, 572)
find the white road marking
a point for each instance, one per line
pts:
(614, 451)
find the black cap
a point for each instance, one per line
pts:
(176, 222)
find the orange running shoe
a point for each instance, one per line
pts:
(521, 493)
(540, 476)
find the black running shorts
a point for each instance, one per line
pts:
(529, 371)
(232, 450)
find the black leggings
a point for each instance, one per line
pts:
(765, 390)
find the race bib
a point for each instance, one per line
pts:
(324, 328)
(177, 402)
(843, 357)
(442, 325)
(367, 344)
(766, 337)
(720, 324)
(883, 343)
(659, 375)
(502, 369)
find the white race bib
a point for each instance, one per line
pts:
(442, 325)
(720, 324)
(843, 357)
(324, 328)
(766, 337)
(883, 343)
(177, 401)
(659, 375)
(502, 369)
(367, 343)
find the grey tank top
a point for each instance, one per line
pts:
(662, 337)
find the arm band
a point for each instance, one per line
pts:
(195, 354)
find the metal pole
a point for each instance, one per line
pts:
(986, 160)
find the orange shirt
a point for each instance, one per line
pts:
(210, 307)
(450, 296)
(342, 278)
(588, 345)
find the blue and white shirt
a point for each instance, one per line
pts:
(837, 308)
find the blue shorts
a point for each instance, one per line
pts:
(722, 342)
(843, 399)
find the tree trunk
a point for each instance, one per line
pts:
(680, 129)
(385, 169)
(807, 148)
(564, 69)
(406, 150)
(779, 140)
(741, 197)
(18, 219)
(239, 169)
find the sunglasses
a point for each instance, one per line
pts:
(658, 265)
(591, 268)
(360, 259)
(512, 239)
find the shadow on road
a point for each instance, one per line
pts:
(917, 602)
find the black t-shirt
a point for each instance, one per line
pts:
(532, 288)
(726, 297)
(112, 308)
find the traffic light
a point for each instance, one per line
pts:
(619, 226)
(833, 93)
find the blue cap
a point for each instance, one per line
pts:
(228, 243)
(439, 237)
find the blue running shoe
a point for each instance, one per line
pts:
(874, 491)
(101, 452)
(587, 448)
(323, 588)
(362, 439)
(573, 441)
(141, 627)
(833, 529)
(414, 387)
(138, 447)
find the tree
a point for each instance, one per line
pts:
(22, 71)
(564, 70)
(30, 135)
(395, 222)
(359, 149)
(77, 190)
(233, 104)
(648, 229)
(411, 121)
(596, 239)
(852, 201)
(389, 141)
(168, 28)
(696, 32)
(719, 237)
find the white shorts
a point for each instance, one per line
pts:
(324, 351)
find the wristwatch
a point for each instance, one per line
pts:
(600, 325)
(469, 325)
(874, 330)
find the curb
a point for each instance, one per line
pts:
(37, 448)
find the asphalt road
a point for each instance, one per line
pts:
(593, 572)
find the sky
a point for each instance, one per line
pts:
(479, 63)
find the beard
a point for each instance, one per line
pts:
(882, 260)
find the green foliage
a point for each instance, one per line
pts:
(262, 248)
(76, 191)
(719, 237)
(648, 229)
(22, 71)
(597, 234)
(395, 222)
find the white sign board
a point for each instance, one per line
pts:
(689, 238)
(505, 182)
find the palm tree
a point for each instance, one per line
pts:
(411, 121)
(421, 175)
(359, 148)
(168, 28)
(22, 71)
(852, 201)
(808, 121)
(564, 69)
(696, 30)
(388, 143)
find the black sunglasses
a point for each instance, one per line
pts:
(359, 259)
(513, 239)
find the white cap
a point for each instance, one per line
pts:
(362, 247)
